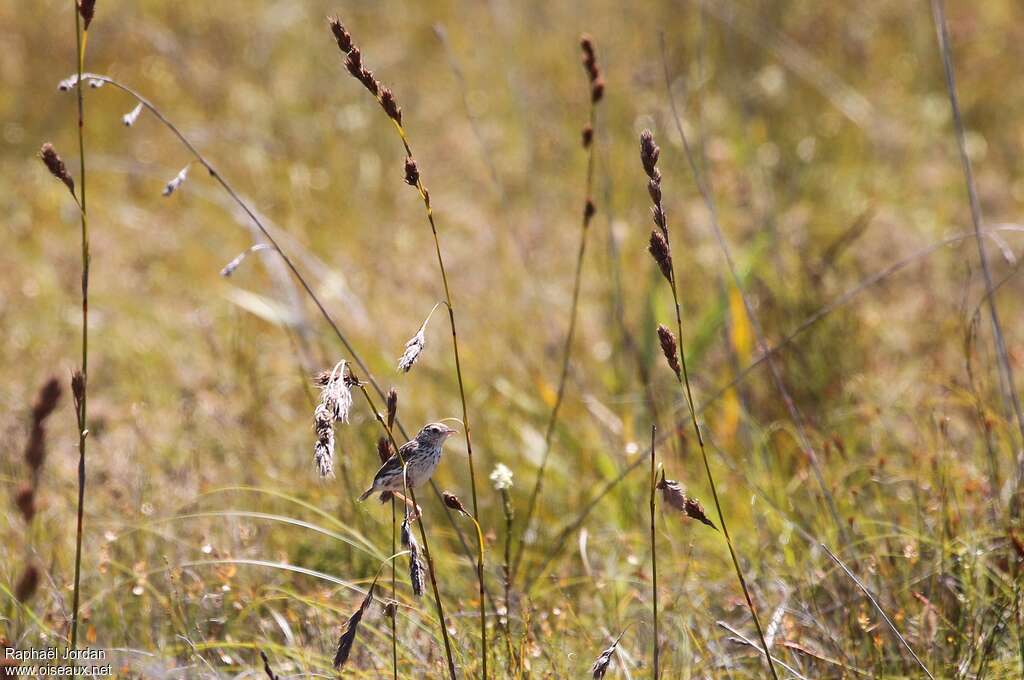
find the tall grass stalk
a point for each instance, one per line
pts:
(794, 412)
(1006, 368)
(596, 93)
(649, 156)
(655, 674)
(413, 177)
(81, 385)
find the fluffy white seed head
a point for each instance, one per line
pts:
(501, 477)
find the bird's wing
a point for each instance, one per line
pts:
(393, 465)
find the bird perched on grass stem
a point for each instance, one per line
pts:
(421, 456)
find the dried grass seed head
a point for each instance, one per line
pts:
(25, 501)
(55, 165)
(392, 405)
(78, 388)
(348, 637)
(673, 495)
(670, 348)
(334, 405)
(412, 172)
(42, 408)
(600, 666)
(87, 9)
(390, 106)
(413, 348)
(27, 584)
(649, 153)
(383, 449)
(416, 570)
(342, 36)
(588, 135)
(662, 254)
(453, 502)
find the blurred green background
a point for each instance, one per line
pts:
(824, 131)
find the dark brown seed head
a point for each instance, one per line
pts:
(343, 37)
(670, 349)
(587, 45)
(390, 609)
(348, 637)
(588, 135)
(694, 510)
(369, 82)
(383, 449)
(46, 401)
(649, 153)
(673, 494)
(654, 189)
(659, 250)
(412, 172)
(415, 570)
(453, 502)
(597, 89)
(392, 402)
(78, 388)
(86, 8)
(658, 215)
(387, 101)
(589, 210)
(56, 166)
(589, 58)
(25, 499)
(27, 584)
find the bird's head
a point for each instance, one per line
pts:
(435, 434)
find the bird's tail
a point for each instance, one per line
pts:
(367, 494)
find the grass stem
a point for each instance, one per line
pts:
(82, 397)
(655, 674)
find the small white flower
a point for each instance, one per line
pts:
(501, 477)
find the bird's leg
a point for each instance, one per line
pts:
(417, 510)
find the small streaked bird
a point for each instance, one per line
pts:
(421, 456)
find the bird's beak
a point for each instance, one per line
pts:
(451, 431)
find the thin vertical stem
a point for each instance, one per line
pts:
(425, 197)
(685, 383)
(654, 555)
(649, 156)
(394, 589)
(80, 41)
(794, 412)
